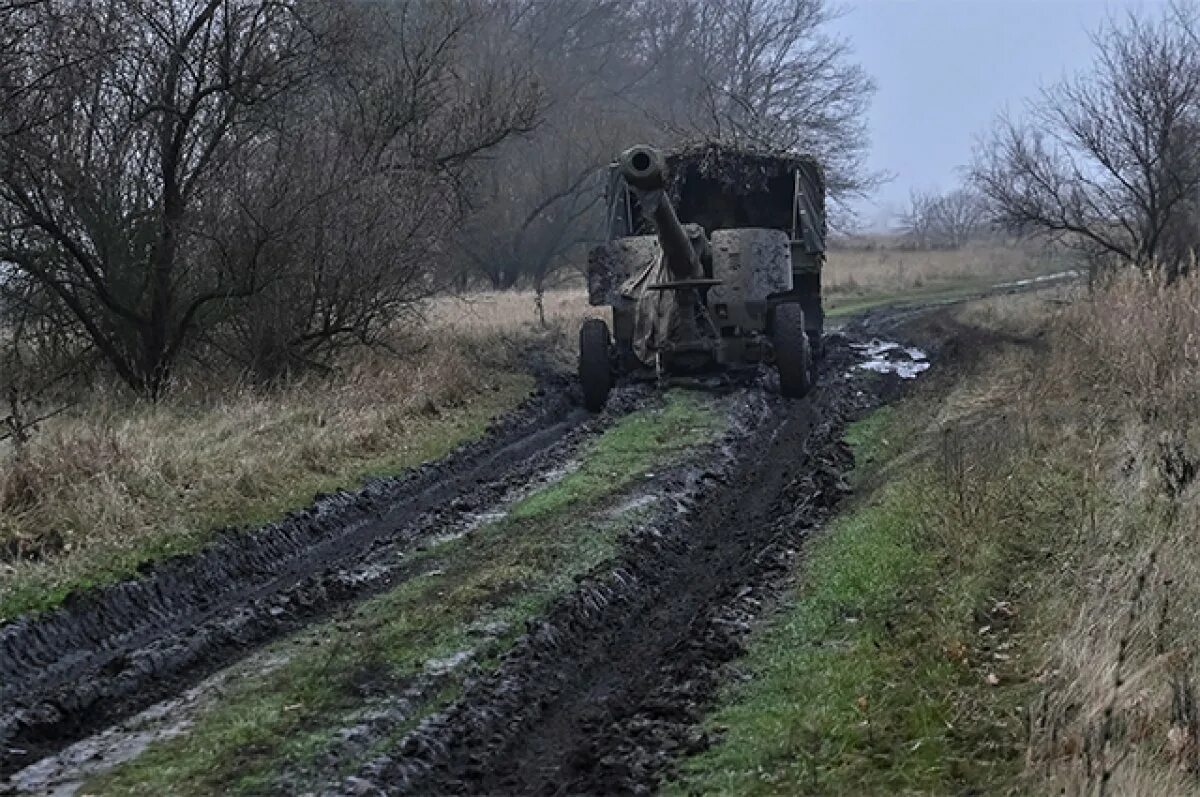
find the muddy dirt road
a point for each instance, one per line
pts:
(107, 654)
(601, 695)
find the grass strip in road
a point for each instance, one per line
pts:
(499, 575)
(848, 304)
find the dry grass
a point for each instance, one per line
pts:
(890, 270)
(1120, 714)
(99, 491)
(1080, 462)
(505, 313)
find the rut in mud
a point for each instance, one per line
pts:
(608, 690)
(602, 694)
(115, 650)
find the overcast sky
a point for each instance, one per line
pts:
(945, 67)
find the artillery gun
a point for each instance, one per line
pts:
(713, 260)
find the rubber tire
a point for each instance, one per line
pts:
(595, 366)
(793, 354)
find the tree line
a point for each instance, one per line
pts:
(258, 184)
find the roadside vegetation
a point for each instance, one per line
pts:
(1010, 607)
(99, 492)
(460, 604)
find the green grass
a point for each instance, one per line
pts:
(869, 683)
(875, 439)
(196, 521)
(508, 571)
(842, 305)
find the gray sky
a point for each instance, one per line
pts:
(944, 68)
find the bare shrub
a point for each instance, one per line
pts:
(945, 221)
(172, 170)
(767, 73)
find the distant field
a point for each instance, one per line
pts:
(854, 279)
(874, 271)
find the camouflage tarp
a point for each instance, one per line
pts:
(657, 317)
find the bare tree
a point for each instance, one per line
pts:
(368, 178)
(1109, 161)
(766, 73)
(145, 102)
(945, 221)
(178, 166)
(537, 202)
(763, 73)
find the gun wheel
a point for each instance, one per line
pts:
(595, 366)
(793, 353)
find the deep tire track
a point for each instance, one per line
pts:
(602, 695)
(112, 651)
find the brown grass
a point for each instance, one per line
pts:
(100, 490)
(1120, 714)
(1081, 449)
(507, 313)
(865, 271)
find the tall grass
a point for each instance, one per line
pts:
(1102, 413)
(1120, 714)
(118, 481)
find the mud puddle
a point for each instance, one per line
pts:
(1060, 276)
(64, 774)
(475, 520)
(889, 357)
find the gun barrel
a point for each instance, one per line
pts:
(645, 170)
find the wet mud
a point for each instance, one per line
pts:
(604, 694)
(110, 652)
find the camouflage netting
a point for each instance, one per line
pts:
(720, 187)
(738, 170)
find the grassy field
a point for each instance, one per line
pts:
(863, 271)
(1011, 606)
